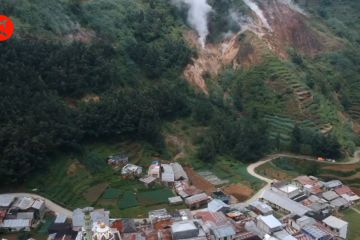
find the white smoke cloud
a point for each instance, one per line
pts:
(197, 16)
(293, 6)
(255, 8)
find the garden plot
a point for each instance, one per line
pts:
(212, 178)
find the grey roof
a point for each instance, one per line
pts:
(330, 195)
(339, 202)
(16, 223)
(314, 231)
(222, 231)
(271, 221)
(61, 218)
(179, 172)
(305, 220)
(197, 198)
(25, 215)
(262, 207)
(285, 203)
(25, 203)
(168, 174)
(38, 204)
(184, 230)
(159, 214)
(176, 199)
(333, 184)
(216, 205)
(6, 200)
(147, 179)
(335, 222)
(284, 235)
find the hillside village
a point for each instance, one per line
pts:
(305, 208)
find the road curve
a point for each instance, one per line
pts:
(252, 167)
(49, 204)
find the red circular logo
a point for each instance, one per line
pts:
(6, 28)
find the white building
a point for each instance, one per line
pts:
(268, 224)
(131, 170)
(336, 225)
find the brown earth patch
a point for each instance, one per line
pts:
(74, 168)
(93, 193)
(107, 202)
(356, 190)
(198, 181)
(341, 168)
(239, 191)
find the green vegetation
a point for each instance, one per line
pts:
(112, 193)
(353, 218)
(154, 197)
(128, 200)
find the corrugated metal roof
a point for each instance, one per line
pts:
(335, 222)
(167, 174)
(271, 221)
(25, 215)
(216, 205)
(314, 231)
(16, 223)
(6, 200)
(61, 218)
(330, 195)
(285, 203)
(226, 230)
(179, 172)
(25, 203)
(339, 202)
(333, 184)
(197, 198)
(38, 204)
(175, 199)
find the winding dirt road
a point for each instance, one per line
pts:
(252, 167)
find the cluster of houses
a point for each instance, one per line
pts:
(23, 213)
(302, 209)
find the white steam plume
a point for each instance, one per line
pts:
(255, 8)
(197, 16)
(293, 6)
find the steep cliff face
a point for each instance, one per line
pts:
(274, 25)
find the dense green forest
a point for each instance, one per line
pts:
(131, 54)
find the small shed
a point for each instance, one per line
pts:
(131, 170)
(197, 200)
(118, 160)
(148, 181)
(217, 205)
(175, 200)
(167, 174)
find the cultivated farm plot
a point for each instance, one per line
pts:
(93, 193)
(111, 193)
(212, 178)
(128, 200)
(154, 197)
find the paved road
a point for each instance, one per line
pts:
(49, 204)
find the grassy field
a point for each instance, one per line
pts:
(354, 220)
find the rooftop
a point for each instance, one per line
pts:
(339, 202)
(16, 223)
(216, 205)
(330, 195)
(333, 184)
(179, 172)
(335, 222)
(167, 174)
(6, 200)
(183, 226)
(271, 221)
(315, 232)
(289, 188)
(262, 207)
(147, 179)
(223, 231)
(197, 198)
(285, 203)
(25, 203)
